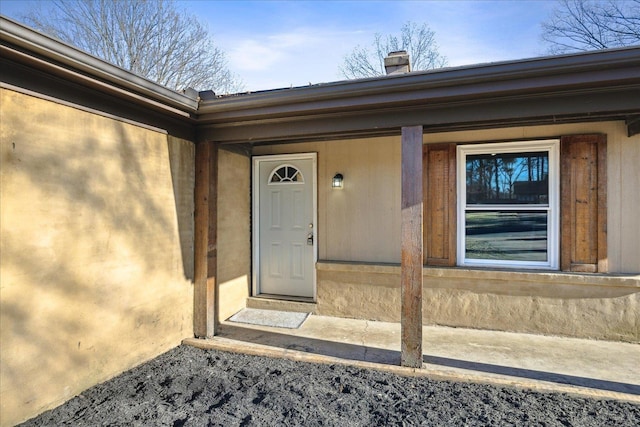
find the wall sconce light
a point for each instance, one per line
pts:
(337, 181)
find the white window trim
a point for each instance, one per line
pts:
(553, 218)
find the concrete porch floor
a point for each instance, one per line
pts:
(597, 369)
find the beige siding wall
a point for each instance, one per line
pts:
(234, 238)
(362, 221)
(97, 250)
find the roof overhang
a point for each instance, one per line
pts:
(30, 48)
(600, 85)
(603, 85)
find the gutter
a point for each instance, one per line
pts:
(612, 67)
(90, 70)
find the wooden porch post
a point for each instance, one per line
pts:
(411, 266)
(205, 240)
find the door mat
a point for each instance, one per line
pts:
(278, 319)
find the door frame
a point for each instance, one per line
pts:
(255, 214)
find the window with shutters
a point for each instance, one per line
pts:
(540, 204)
(508, 204)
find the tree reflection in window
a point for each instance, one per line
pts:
(284, 174)
(508, 205)
(508, 178)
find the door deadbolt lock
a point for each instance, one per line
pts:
(310, 239)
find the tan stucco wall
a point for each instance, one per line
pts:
(585, 306)
(234, 238)
(97, 250)
(362, 221)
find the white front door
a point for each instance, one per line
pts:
(285, 225)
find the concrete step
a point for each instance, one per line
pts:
(273, 303)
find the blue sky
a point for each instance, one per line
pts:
(273, 44)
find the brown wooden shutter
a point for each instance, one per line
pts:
(583, 222)
(439, 189)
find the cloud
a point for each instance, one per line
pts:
(293, 58)
(263, 52)
(254, 55)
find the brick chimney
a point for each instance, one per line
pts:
(397, 62)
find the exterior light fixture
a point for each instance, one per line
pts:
(337, 181)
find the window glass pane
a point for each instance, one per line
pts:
(508, 178)
(285, 174)
(511, 236)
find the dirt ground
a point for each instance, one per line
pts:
(193, 387)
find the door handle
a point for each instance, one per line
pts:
(310, 239)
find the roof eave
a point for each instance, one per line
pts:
(50, 50)
(482, 80)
